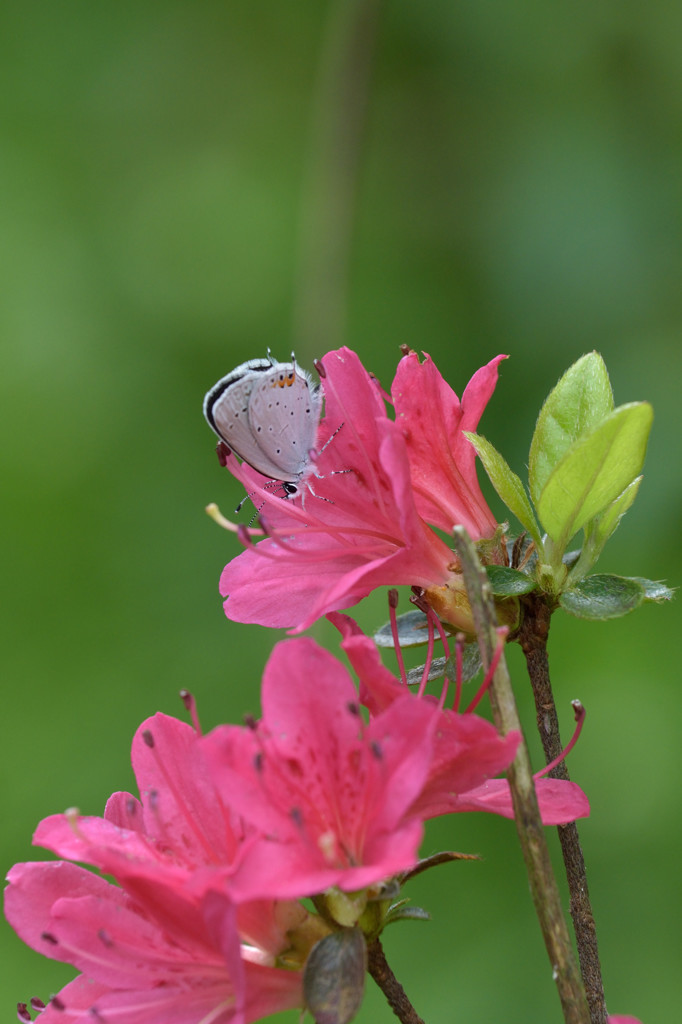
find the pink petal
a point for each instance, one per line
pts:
(378, 687)
(33, 889)
(290, 870)
(559, 801)
(170, 1004)
(221, 921)
(78, 996)
(118, 947)
(468, 750)
(441, 459)
(185, 813)
(125, 811)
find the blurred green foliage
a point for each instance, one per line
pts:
(520, 192)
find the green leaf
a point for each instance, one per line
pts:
(406, 913)
(603, 597)
(334, 976)
(507, 484)
(654, 590)
(578, 403)
(594, 472)
(506, 582)
(599, 529)
(413, 631)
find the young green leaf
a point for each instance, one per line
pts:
(506, 483)
(579, 402)
(599, 529)
(506, 582)
(594, 472)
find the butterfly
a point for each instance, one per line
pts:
(268, 414)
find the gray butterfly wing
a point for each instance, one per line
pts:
(284, 413)
(226, 407)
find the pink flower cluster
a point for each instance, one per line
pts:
(380, 485)
(233, 829)
(324, 797)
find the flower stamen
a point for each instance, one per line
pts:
(429, 658)
(188, 700)
(502, 632)
(392, 605)
(579, 712)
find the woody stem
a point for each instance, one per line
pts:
(533, 640)
(378, 967)
(543, 885)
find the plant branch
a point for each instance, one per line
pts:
(533, 640)
(543, 885)
(378, 967)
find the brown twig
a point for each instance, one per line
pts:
(533, 640)
(378, 967)
(543, 885)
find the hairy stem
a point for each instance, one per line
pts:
(330, 188)
(533, 639)
(377, 965)
(543, 885)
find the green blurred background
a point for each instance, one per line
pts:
(519, 191)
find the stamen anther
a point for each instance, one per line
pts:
(223, 451)
(188, 700)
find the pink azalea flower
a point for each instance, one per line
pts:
(177, 835)
(331, 796)
(134, 969)
(189, 953)
(623, 1020)
(467, 749)
(362, 520)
